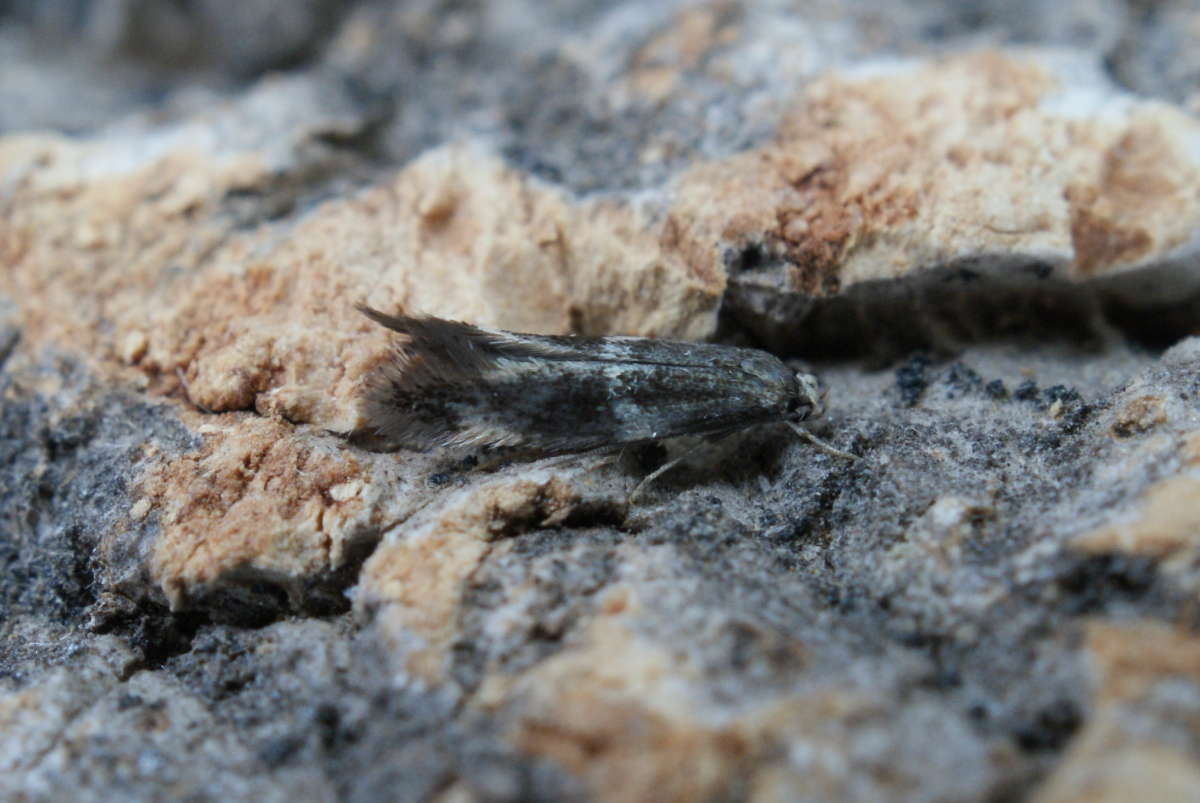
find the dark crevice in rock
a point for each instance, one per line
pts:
(252, 599)
(1050, 728)
(156, 633)
(1090, 584)
(943, 311)
(334, 158)
(363, 141)
(597, 514)
(246, 601)
(1156, 327)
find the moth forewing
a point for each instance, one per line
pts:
(453, 384)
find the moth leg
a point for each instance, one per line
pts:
(820, 444)
(557, 460)
(655, 474)
(663, 469)
(611, 456)
(598, 457)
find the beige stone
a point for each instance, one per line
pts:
(258, 499)
(1139, 415)
(132, 263)
(1119, 775)
(1127, 659)
(414, 580)
(619, 713)
(904, 169)
(1108, 762)
(256, 324)
(1165, 521)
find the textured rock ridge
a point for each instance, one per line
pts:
(978, 225)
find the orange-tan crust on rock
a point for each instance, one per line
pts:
(415, 579)
(139, 268)
(886, 174)
(139, 272)
(1108, 761)
(254, 500)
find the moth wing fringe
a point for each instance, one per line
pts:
(440, 355)
(441, 352)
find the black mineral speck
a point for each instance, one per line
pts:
(1061, 393)
(961, 380)
(327, 720)
(911, 379)
(996, 390)
(1026, 391)
(1050, 728)
(748, 258)
(1092, 583)
(1072, 411)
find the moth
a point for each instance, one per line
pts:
(450, 384)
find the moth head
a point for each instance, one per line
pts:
(809, 401)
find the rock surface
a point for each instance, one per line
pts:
(981, 226)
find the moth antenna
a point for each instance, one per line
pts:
(817, 442)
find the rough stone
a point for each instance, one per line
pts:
(978, 222)
(1141, 734)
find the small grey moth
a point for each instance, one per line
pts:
(453, 384)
